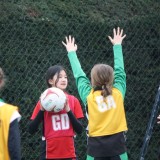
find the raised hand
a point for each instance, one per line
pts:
(70, 44)
(117, 36)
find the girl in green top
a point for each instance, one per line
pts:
(104, 97)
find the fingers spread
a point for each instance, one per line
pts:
(110, 38)
(70, 40)
(66, 39)
(123, 36)
(114, 32)
(76, 47)
(118, 30)
(73, 40)
(64, 43)
(121, 32)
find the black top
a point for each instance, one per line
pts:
(14, 141)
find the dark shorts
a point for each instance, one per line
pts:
(106, 146)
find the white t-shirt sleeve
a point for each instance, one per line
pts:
(15, 115)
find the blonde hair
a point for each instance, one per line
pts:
(102, 76)
(2, 78)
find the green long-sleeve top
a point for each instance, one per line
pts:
(106, 116)
(83, 83)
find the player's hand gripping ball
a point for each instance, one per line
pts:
(53, 99)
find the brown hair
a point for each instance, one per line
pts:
(102, 76)
(2, 78)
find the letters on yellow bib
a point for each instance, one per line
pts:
(105, 103)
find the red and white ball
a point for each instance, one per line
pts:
(53, 99)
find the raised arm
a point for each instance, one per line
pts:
(119, 73)
(82, 82)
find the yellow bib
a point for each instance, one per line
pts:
(106, 115)
(6, 112)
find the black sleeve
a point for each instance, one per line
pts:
(75, 123)
(34, 124)
(14, 142)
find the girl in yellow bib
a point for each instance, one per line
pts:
(10, 148)
(104, 101)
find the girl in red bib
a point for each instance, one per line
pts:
(58, 128)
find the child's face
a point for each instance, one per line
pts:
(60, 81)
